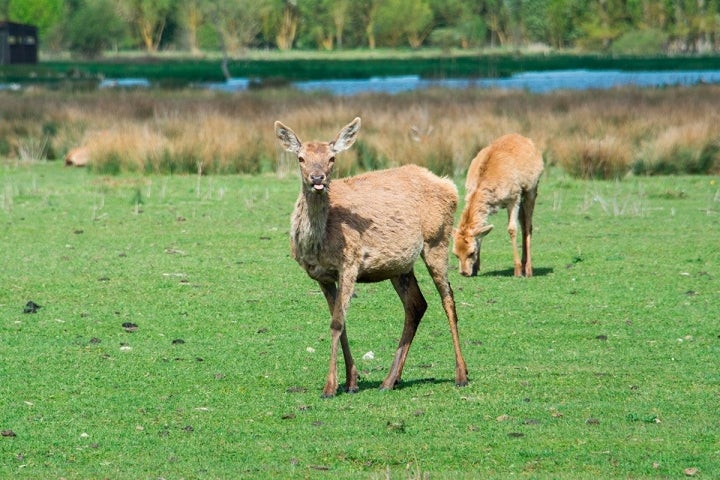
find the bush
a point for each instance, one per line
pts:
(641, 42)
(93, 28)
(605, 158)
(682, 159)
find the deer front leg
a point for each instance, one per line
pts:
(513, 211)
(338, 336)
(351, 374)
(415, 305)
(526, 214)
(436, 261)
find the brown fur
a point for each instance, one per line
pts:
(77, 157)
(370, 228)
(504, 174)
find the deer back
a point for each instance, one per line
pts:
(379, 222)
(505, 168)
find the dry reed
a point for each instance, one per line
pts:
(590, 134)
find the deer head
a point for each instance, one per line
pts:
(466, 248)
(316, 159)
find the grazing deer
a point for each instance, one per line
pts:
(77, 157)
(370, 228)
(504, 174)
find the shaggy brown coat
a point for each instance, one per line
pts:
(370, 228)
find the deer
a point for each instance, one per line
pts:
(370, 228)
(77, 157)
(505, 174)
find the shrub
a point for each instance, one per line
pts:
(604, 158)
(691, 149)
(93, 28)
(640, 42)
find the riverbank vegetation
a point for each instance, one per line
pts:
(272, 69)
(628, 130)
(89, 27)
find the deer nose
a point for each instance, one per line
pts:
(317, 179)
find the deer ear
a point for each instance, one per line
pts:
(347, 136)
(484, 230)
(287, 138)
(481, 231)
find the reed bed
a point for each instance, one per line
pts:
(593, 134)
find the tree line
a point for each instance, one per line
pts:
(644, 27)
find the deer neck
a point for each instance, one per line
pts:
(309, 224)
(476, 215)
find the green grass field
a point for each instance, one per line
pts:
(603, 365)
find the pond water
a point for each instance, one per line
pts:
(536, 82)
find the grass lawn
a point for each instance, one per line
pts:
(603, 365)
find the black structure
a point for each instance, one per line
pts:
(18, 43)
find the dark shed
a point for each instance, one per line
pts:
(18, 43)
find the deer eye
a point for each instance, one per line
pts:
(301, 159)
(332, 160)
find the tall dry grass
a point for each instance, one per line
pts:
(599, 134)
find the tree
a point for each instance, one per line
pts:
(192, 16)
(496, 18)
(42, 13)
(316, 26)
(559, 18)
(149, 18)
(339, 11)
(399, 20)
(238, 22)
(367, 12)
(280, 20)
(93, 27)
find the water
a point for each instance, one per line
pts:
(124, 83)
(536, 82)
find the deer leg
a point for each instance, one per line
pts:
(415, 305)
(513, 212)
(526, 214)
(338, 336)
(436, 260)
(351, 374)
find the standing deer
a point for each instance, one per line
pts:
(504, 174)
(370, 228)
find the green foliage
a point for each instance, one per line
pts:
(345, 24)
(42, 13)
(93, 28)
(368, 158)
(682, 159)
(597, 367)
(640, 42)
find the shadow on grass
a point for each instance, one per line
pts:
(375, 385)
(509, 272)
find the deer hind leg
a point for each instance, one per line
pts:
(436, 260)
(415, 305)
(526, 214)
(338, 307)
(513, 213)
